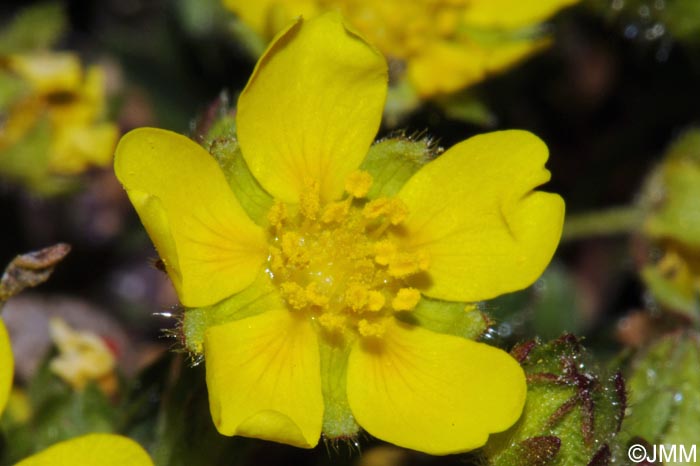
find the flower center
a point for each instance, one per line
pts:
(402, 29)
(338, 263)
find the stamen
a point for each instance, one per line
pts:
(310, 199)
(335, 212)
(277, 214)
(371, 329)
(356, 297)
(332, 321)
(292, 247)
(406, 299)
(404, 264)
(384, 250)
(295, 295)
(358, 183)
(389, 207)
(375, 301)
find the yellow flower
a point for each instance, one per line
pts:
(73, 103)
(444, 45)
(312, 291)
(87, 450)
(83, 357)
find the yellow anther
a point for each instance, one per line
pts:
(295, 295)
(314, 296)
(397, 211)
(404, 264)
(356, 297)
(390, 207)
(375, 301)
(374, 209)
(406, 299)
(384, 250)
(277, 214)
(371, 329)
(331, 321)
(335, 212)
(293, 249)
(358, 183)
(276, 259)
(310, 199)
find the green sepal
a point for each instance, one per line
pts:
(12, 88)
(35, 27)
(261, 296)
(221, 142)
(664, 383)
(246, 37)
(562, 379)
(467, 107)
(673, 191)
(27, 163)
(338, 421)
(391, 162)
(675, 292)
(448, 317)
(401, 100)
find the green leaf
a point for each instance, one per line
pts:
(35, 27)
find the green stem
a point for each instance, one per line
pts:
(611, 221)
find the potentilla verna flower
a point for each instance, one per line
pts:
(57, 91)
(86, 450)
(443, 45)
(303, 269)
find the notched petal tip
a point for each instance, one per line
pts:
(319, 127)
(210, 247)
(477, 213)
(435, 393)
(263, 378)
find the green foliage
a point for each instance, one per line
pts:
(572, 413)
(664, 386)
(35, 27)
(58, 413)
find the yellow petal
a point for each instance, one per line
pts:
(92, 450)
(6, 367)
(474, 211)
(211, 249)
(445, 67)
(511, 14)
(75, 148)
(311, 108)
(48, 72)
(264, 378)
(430, 392)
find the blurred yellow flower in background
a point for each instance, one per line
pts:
(442, 46)
(318, 293)
(87, 450)
(83, 357)
(55, 90)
